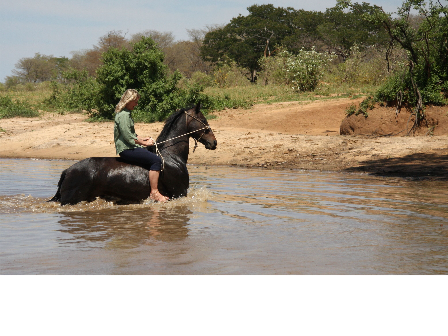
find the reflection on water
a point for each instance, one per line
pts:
(234, 221)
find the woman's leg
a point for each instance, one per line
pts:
(150, 161)
(154, 183)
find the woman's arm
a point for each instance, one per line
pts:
(125, 126)
(144, 141)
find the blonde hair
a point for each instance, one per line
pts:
(128, 96)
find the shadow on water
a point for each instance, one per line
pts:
(416, 166)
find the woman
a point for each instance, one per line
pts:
(131, 147)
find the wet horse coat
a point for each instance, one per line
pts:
(113, 179)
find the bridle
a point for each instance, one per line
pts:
(205, 128)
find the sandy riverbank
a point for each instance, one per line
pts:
(291, 135)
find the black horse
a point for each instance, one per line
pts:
(114, 180)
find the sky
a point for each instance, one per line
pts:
(60, 27)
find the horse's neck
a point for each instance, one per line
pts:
(179, 146)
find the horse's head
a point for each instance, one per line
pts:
(197, 123)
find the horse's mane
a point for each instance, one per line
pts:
(170, 122)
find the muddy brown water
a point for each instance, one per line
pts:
(234, 221)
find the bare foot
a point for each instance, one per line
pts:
(158, 197)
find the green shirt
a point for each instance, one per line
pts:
(124, 132)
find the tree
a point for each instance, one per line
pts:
(12, 81)
(163, 40)
(197, 39)
(305, 34)
(426, 74)
(90, 59)
(40, 68)
(141, 67)
(247, 38)
(61, 65)
(341, 30)
(113, 39)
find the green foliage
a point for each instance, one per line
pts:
(344, 27)
(251, 64)
(273, 69)
(12, 82)
(267, 28)
(225, 101)
(395, 90)
(246, 38)
(426, 42)
(79, 93)
(202, 79)
(305, 34)
(302, 72)
(230, 75)
(399, 89)
(18, 108)
(306, 69)
(40, 68)
(366, 104)
(363, 67)
(141, 68)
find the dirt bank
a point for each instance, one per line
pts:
(292, 135)
(388, 121)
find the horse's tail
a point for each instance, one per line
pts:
(57, 196)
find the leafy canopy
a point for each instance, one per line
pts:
(425, 75)
(247, 38)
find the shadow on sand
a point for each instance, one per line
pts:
(415, 166)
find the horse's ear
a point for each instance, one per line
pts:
(198, 107)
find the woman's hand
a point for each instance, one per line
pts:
(145, 141)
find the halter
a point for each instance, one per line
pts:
(200, 129)
(195, 141)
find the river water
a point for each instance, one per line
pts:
(234, 221)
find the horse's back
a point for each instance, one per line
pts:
(105, 177)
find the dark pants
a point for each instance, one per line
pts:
(143, 158)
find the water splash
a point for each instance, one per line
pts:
(197, 198)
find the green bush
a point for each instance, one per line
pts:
(79, 93)
(273, 70)
(12, 82)
(141, 68)
(199, 78)
(366, 104)
(230, 75)
(400, 88)
(302, 72)
(368, 67)
(11, 109)
(306, 69)
(423, 79)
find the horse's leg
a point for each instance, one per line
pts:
(174, 180)
(77, 187)
(57, 196)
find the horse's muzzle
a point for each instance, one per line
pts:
(211, 144)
